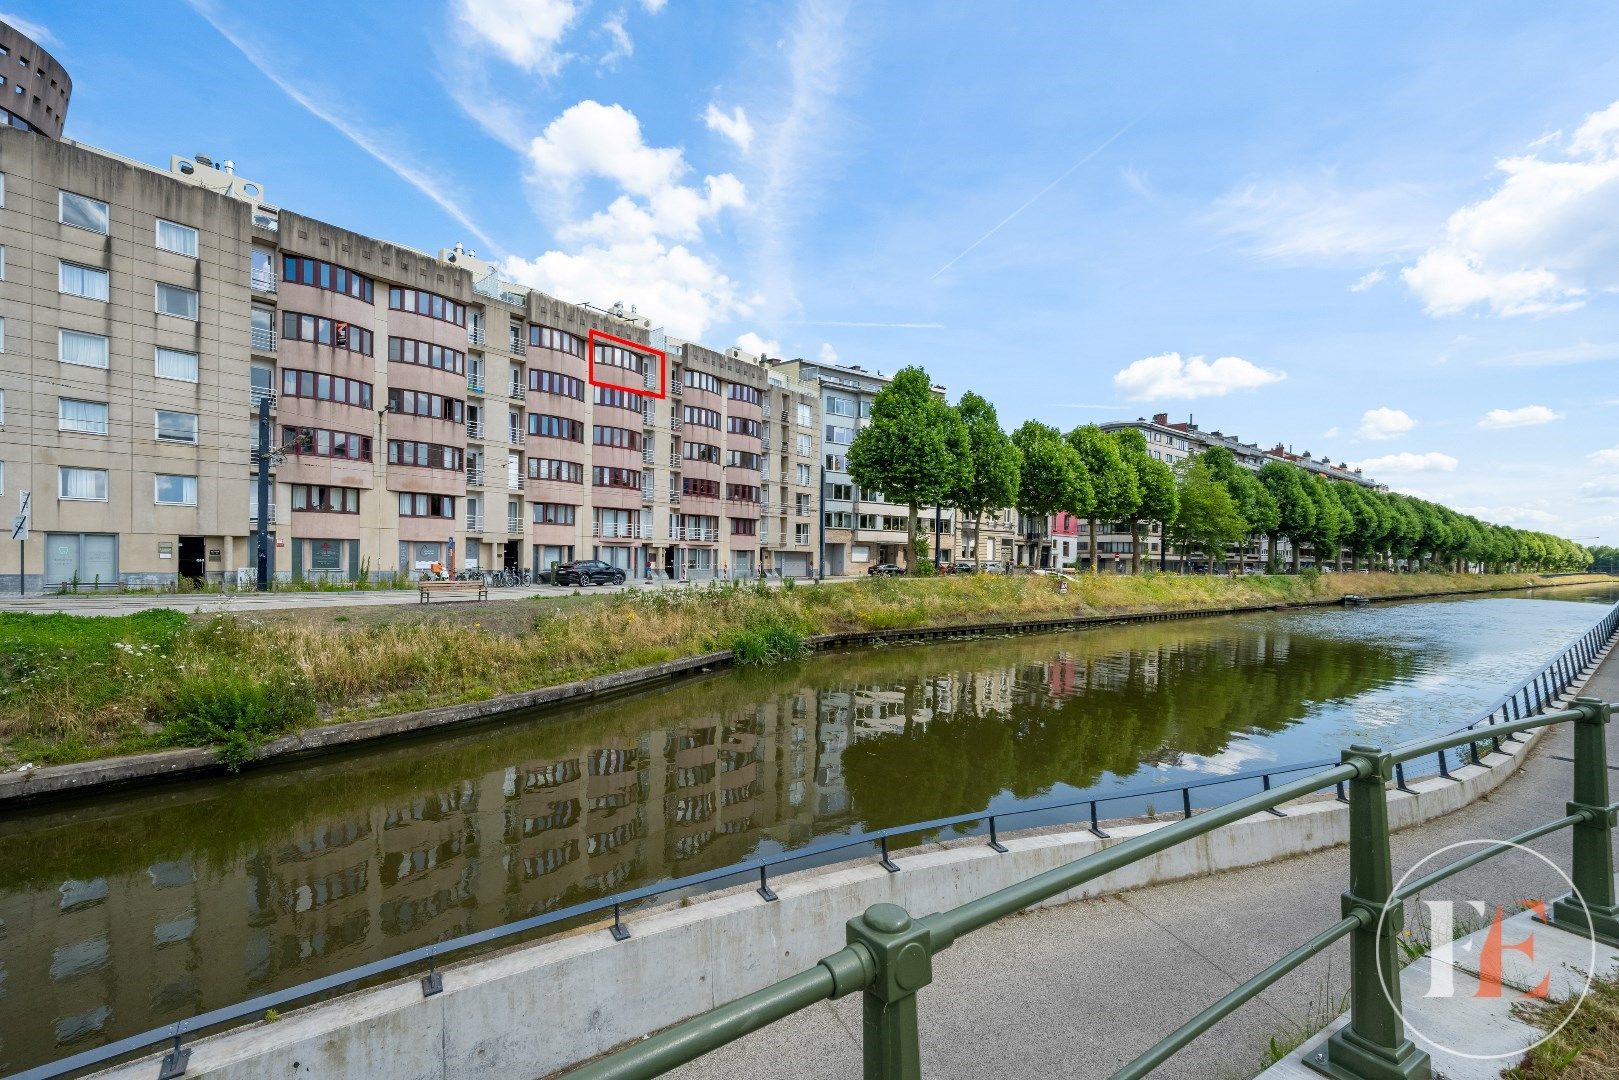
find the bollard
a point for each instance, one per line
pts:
(903, 955)
(1373, 1046)
(1593, 837)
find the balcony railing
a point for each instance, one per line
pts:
(649, 417)
(475, 384)
(514, 482)
(265, 219)
(474, 476)
(475, 335)
(676, 423)
(517, 347)
(621, 530)
(516, 438)
(259, 393)
(650, 380)
(253, 514)
(648, 456)
(263, 340)
(474, 429)
(475, 523)
(515, 391)
(646, 496)
(674, 497)
(693, 532)
(263, 280)
(677, 389)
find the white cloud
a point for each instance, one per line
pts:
(1330, 433)
(1168, 376)
(653, 6)
(1582, 353)
(1384, 423)
(1528, 416)
(1605, 489)
(1400, 464)
(1543, 241)
(528, 33)
(733, 125)
(1367, 280)
(619, 44)
(1313, 219)
(28, 28)
(758, 346)
(675, 212)
(1523, 516)
(1608, 459)
(683, 290)
(829, 355)
(590, 139)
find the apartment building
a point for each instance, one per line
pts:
(860, 529)
(790, 526)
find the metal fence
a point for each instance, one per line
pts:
(890, 954)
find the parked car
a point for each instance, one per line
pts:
(886, 569)
(994, 566)
(962, 566)
(586, 572)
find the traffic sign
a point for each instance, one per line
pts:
(19, 524)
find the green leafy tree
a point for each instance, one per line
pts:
(1050, 478)
(1253, 499)
(1116, 494)
(1157, 485)
(913, 450)
(994, 466)
(1208, 517)
(1295, 509)
(1332, 522)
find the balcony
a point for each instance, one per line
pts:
(515, 438)
(475, 384)
(674, 461)
(646, 496)
(764, 442)
(474, 476)
(259, 393)
(517, 347)
(474, 523)
(266, 220)
(263, 280)
(648, 456)
(677, 389)
(649, 417)
(694, 532)
(515, 391)
(475, 429)
(650, 380)
(674, 498)
(514, 482)
(253, 514)
(621, 530)
(676, 423)
(514, 526)
(475, 336)
(263, 340)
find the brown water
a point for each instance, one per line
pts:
(142, 908)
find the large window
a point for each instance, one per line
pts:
(325, 275)
(420, 403)
(702, 380)
(177, 427)
(550, 382)
(742, 493)
(743, 392)
(696, 451)
(741, 459)
(570, 472)
(740, 425)
(547, 338)
(839, 406)
(321, 499)
(323, 387)
(180, 239)
(85, 417)
(86, 485)
(77, 347)
(556, 427)
(701, 417)
(554, 514)
(614, 356)
(744, 527)
(417, 504)
(424, 455)
(82, 212)
(707, 489)
(423, 302)
(619, 478)
(323, 442)
(177, 301)
(425, 354)
(86, 281)
(175, 364)
(175, 490)
(322, 331)
(623, 438)
(613, 397)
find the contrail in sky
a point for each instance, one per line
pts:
(877, 325)
(1034, 199)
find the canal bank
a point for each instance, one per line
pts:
(25, 784)
(1075, 989)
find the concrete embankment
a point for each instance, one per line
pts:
(539, 1008)
(35, 784)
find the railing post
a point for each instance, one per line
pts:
(1373, 1045)
(903, 954)
(1593, 837)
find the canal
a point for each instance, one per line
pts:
(141, 908)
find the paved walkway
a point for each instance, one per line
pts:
(1078, 991)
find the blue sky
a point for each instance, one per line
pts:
(1385, 235)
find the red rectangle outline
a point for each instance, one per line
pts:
(636, 346)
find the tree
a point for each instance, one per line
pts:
(1050, 478)
(1157, 484)
(1253, 499)
(912, 449)
(1208, 516)
(1295, 510)
(1115, 492)
(1332, 522)
(994, 465)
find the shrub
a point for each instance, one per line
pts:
(770, 639)
(233, 712)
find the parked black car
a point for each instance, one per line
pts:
(589, 572)
(886, 569)
(963, 566)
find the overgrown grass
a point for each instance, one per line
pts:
(1586, 1048)
(78, 687)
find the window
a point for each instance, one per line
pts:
(180, 239)
(321, 331)
(836, 463)
(432, 305)
(803, 475)
(841, 492)
(740, 425)
(615, 436)
(86, 350)
(707, 489)
(619, 399)
(2, 406)
(556, 427)
(424, 455)
(325, 275)
(550, 382)
(424, 354)
(178, 427)
(86, 485)
(320, 499)
(620, 478)
(2, 263)
(700, 416)
(804, 447)
(175, 490)
(416, 504)
(839, 436)
(696, 451)
(613, 356)
(2, 189)
(702, 380)
(176, 301)
(86, 281)
(839, 406)
(744, 527)
(322, 387)
(800, 534)
(741, 459)
(175, 364)
(554, 514)
(81, 212)
(550, 469)
(420, 403)
(742, 493)
(751, 394)
(804, 417)
(85, 417)
(547, 338)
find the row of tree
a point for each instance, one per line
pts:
(921, 451)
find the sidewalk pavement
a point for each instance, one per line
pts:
(1080, 990)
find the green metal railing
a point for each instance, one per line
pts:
(889, 955)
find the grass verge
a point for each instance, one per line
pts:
(1586, 1048)
(74, 688)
